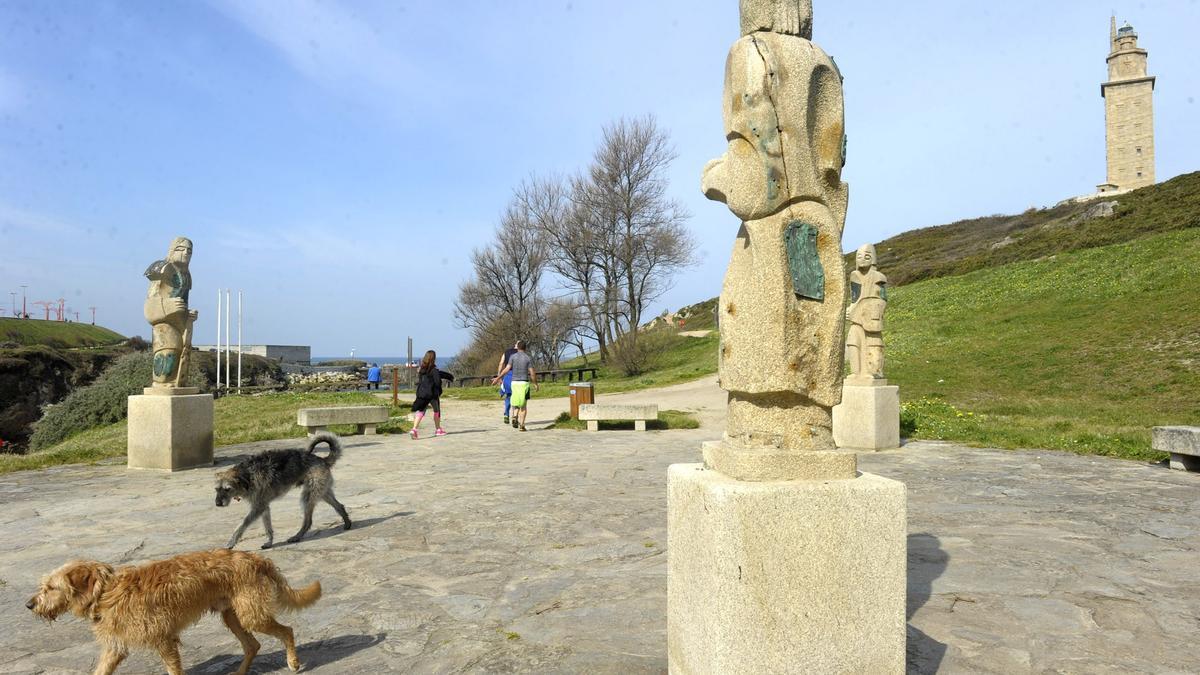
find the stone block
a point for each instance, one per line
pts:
(790, 17)
(786, 576)
(868, 418)
(1182, 442)
(764, 464)
(351, 414)
(617, 411)
(170, 433)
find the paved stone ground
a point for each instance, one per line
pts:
(491, 550)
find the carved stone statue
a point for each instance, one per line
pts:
(781, 302)
(818, 547)
(868, 300)
(167, 311)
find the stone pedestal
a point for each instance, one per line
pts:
(785, 576)
(868, 418)
(170, 432)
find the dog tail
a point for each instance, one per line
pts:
(335, 445)
(290, 598)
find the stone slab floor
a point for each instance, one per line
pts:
(491, 550)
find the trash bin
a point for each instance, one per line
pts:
(581, 392)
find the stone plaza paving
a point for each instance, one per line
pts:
(491, 550)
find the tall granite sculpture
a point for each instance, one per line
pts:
(868, 300)
(782, 556)
(166, 309)
(170, 424)
(868, 418)
(781, 176)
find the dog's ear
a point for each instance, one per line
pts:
(86, 579)
(233, 477)
(79, 578)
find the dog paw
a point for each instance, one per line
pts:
(347, 526)
(267, 545)
(294, 664)
(293, 540)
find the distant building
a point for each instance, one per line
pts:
(1128, 113)
(283, 353)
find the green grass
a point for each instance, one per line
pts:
(56, 333)
(1083, 351)
(667, 419)
(683, 359)
(238, 419)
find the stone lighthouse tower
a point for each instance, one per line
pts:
(1128, 113)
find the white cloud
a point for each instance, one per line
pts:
(308, 243)
(13, 218)
(328, 44)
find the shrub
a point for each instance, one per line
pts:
(636, 355)
(105, 401)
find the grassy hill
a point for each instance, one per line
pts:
(968, 245)
(1071, 328)
(58, 334)
(1080, 351)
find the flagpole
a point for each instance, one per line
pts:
(218, 341)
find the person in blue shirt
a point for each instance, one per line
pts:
(506, 383)
(373, 374)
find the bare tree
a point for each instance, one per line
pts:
(610, 237)
(640, 229)
(504, 303)
(575, 251)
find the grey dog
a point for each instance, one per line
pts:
(270, 475)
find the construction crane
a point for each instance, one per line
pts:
(47, 304)
(93, 315)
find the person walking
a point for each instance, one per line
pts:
(373, 376)
(506, 382)
(523, 375)
(429, 393)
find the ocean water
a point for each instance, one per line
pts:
(442, 361)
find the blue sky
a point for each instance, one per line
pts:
(337, 161)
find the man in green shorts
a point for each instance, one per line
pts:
(523, 375)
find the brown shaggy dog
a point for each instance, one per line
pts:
(149, 605)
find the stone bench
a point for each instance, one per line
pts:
(1182, 442)
(366, 417)
(592, 413)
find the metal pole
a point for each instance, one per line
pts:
(395, 386)
(408, 363)
(228, 353)
(218, 340)
(23, 312)
(239, 342)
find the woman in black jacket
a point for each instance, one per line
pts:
(429, 393)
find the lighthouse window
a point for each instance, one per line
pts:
(1139, 151)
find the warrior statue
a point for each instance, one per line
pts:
(167, 311)
(868, 299)
(781, 303)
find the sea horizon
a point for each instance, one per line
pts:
(442, 361)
